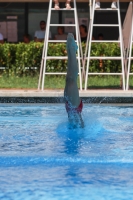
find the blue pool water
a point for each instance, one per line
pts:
(41, 158)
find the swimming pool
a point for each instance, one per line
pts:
(41, 158)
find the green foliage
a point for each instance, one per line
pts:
(20, 59)
(28, 58)
(25, 59)
(56, 49)
(105, 50)
(7, 57)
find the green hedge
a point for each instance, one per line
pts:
(20, 59)
(24, 59)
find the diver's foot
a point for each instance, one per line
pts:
(71, 44)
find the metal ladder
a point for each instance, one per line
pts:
(120, 41)
(130, 57)
(46, 41)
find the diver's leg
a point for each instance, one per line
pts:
(72, 67)
(71, 92)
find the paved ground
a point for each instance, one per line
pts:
(59, 93)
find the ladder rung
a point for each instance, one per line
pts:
(104, 58)
(63, 25)
(113, 41)
(64, 9)
(59, 41)
(57, 58)
(129, 58)
(108, 25)
(55, 73)
(106, 9)
(96, 73)
(130, 73)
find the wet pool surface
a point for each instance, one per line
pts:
(42, 158)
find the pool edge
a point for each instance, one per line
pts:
(56, 96)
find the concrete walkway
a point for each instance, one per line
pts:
(59, 93)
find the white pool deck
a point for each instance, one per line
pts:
(59, 93)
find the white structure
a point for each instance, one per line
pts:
(88, 56)
(129, 29)
(43, 72)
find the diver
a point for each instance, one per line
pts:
(73, 102)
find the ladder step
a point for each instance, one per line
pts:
(55, 73)
(107, 9)
(64, 9)
(104, 58)
(62, 24)
(101, 41)
(129, 58)
(57, 58)
(96, 73)
(108, 25)
(55, 41)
